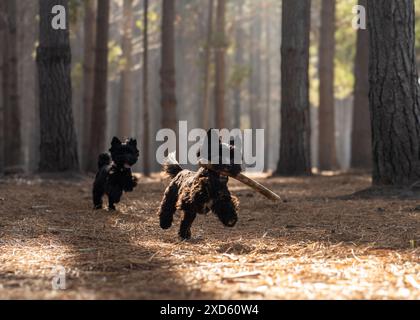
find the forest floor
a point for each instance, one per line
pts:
(319, 242)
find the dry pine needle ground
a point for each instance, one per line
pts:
(315, 244)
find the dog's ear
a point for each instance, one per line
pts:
(212, 136)
(205, 149)
(115, 142)
(132, 142)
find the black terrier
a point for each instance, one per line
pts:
(202, 191)
(114, 172)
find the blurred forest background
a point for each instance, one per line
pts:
(228, 50)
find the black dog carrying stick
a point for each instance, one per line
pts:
(249, 182)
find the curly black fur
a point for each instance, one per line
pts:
(197, 193)
(114, 173)
(171, 169)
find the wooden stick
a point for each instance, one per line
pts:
(249, 182)
(257, 186)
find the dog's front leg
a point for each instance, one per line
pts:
(225, 207)
(130, 183)
(186, 223)
(168, 206)
(114, 196)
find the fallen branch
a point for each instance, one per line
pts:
(241, 275)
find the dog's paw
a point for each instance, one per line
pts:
(98, 207)
(185, 234)
(165, 223)
(112, 208)
(230, 222)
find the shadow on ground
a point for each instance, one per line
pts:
(46, 224)
(316, 243)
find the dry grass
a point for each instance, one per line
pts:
(313, 245)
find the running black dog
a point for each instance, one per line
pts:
(200, 192)
(114, 172)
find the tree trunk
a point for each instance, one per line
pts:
(394, 93)
(58, 150)
(255, 76)
(361, 145)
(168, 102)
(88, 75)
(146, 118)
(126, 94)
(327, 148)
(3, 26)
(220, 63)
(12, 114)
(98, 125)
(76, 25)
(28, 83)
(207, 59)
(239, 61)
(268, 88)
(295, 158)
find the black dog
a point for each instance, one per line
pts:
(199, 192)
(114, 175)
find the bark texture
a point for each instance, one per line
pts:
(220, 64)
(58, 148)
(268, 89)
(28, 82)
(168, 102)
(3, 26)
(239, 61)
(207, 63)
(295, 156)
(255, 78)
(88, 74)
(361, 142)
(12, 113)
(327, 147)
(394, 93)
(126, 95)
(146, 118)
(98, 125)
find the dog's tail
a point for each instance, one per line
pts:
(104, 159)
(171, 166)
